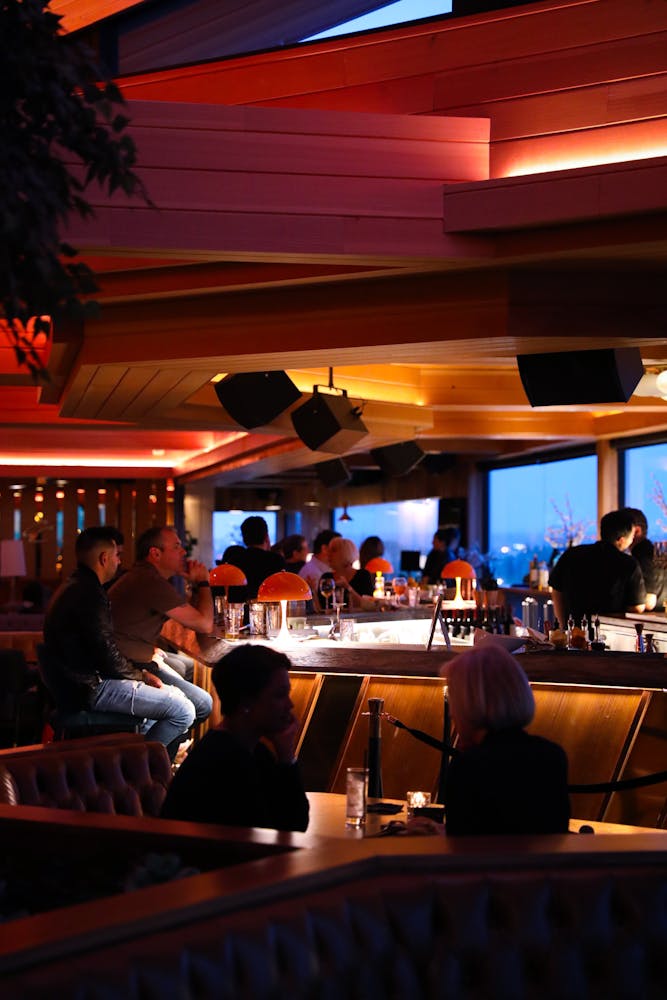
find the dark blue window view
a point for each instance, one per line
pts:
(393, 13)
(539, 510)
(404, 525)
(227, 528)
(646, 485)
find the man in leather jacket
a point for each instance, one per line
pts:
(80, 646)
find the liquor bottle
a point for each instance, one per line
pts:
(375, 706)
(378, 589)
(533, 573)
(543, 576)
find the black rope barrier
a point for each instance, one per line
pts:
(601, 786)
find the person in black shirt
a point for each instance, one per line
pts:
(256, 560)
(599, 579)
(231, 776)
(502, 780)
(445, 549)
(643, 551)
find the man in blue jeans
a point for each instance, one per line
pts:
(144, 598)
(79, 639)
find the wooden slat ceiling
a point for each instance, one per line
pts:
(317, 238)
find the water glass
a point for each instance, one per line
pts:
(413, 597)
(234, 621)
(347, 627)
(356, 788)
(257, 617)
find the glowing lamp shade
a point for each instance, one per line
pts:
(379, 565)
(283, 587)
(227, 575)
(458, 568)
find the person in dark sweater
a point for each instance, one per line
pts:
(231, 776)
(643, 551)
(503, 780)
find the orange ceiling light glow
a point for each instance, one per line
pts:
(577, 159)
(41, 343)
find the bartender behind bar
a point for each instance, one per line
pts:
(602, 578)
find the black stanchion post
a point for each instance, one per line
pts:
(446, 739)
(375, 706)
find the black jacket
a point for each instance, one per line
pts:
(79, 640)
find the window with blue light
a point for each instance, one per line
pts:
(227, 528)
(403, 526)
(645, 478)
(540, 510)
(393, 13)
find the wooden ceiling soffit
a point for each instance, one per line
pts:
(264, 180)
(128, 393)
(563, 196)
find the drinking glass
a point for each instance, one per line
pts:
(327, 589)
(356, 786)
(399, 585)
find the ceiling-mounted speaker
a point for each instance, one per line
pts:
(560, 378)
(328, 423)
(398, 459)
(253, 399)
(333, 473)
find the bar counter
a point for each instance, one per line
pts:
(608, 710)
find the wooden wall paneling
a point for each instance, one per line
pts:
(146, 514)
(127, 519)
(338, 701)
(594, 728)
(49, 542)
(647, 806)
(406, 763)
(304, 694)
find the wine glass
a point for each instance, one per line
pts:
(327, 588)
(400, 586)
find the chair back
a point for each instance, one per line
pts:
(67, 695)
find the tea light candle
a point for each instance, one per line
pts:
(416, 800)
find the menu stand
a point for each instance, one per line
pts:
(439, 616)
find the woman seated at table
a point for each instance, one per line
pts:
(357, 584)
(503, 780)
(231, 776)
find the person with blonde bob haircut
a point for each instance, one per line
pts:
(502, 780)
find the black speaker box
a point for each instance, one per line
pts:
(328, 423)
(253, 399)
(398, 459)
(610, 375)
(333, 473)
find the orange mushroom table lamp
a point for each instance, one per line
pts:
(378, 567)
(459, 570)
(225, 575)
(283, 587)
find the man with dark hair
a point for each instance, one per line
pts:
(256, 560)
(144, 598)
(643, 551)
(445, 545)
(600, 578)
(318, 564)
(80, 644)
(294, 549)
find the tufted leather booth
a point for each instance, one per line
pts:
(513, 933)
(129, 778)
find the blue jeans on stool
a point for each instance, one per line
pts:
(169, 710)
(201, 699)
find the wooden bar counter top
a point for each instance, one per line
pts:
(607, 709)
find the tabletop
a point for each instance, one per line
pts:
(327, 819)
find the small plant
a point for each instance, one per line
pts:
(570, 531)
